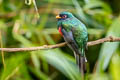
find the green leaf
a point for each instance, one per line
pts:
(12, 66)
(39, 74)
(109, 48)
(62, 63)
(24, 72)
(84, 17)
(102, 76)
(115, 67)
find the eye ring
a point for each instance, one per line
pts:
(64, 16)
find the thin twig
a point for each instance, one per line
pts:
(44, 47)
(36, 9)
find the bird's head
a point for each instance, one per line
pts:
(64, 15)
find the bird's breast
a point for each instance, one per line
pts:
(60, 31)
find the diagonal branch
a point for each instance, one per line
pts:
(44, 47)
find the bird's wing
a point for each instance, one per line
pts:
(68, 37)
(80, 36)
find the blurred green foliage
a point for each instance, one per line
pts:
(21, 27)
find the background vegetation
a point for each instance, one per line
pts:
(20, 26)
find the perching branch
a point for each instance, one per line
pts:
(44, 47)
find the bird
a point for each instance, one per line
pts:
(75, 34)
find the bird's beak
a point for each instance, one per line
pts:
(58, 17)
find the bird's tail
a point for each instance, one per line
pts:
(81, 62)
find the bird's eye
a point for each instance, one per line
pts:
(64, 16)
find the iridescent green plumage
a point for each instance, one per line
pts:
(78, 29)
(75, 34)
